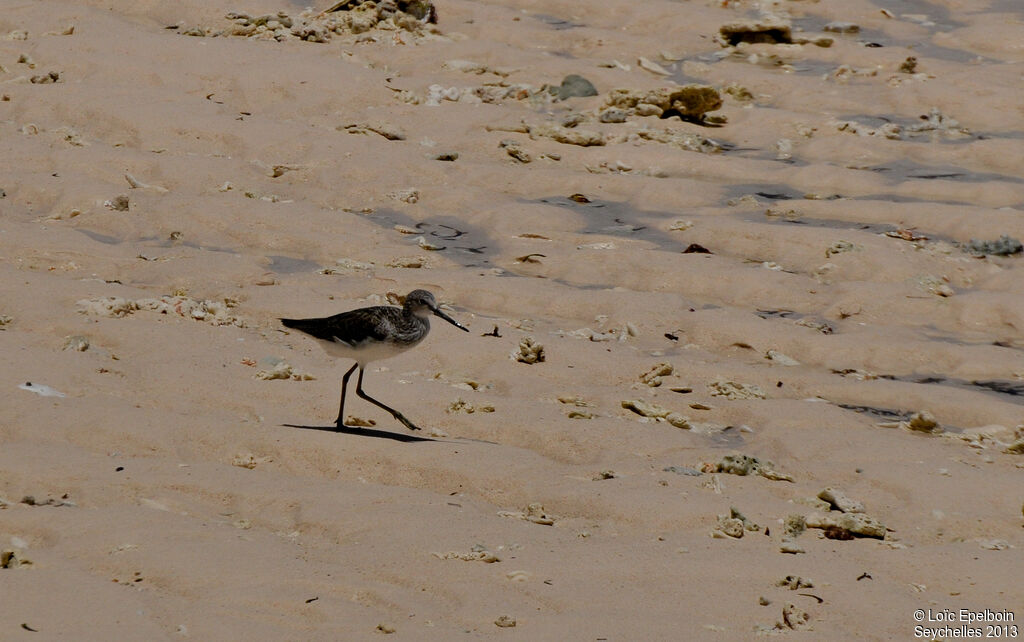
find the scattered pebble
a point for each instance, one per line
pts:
(283, 370)
(781, 359)
(613, 115)
(838, 524)
(12, 559)
(1003, 246)
(567, 136)
(427, 245)
(249, 461)
(384, 129)
(745, 465)
(795, 618)
(795, 582)
(572, 86)
(505, 621)
(529, 351)
(411, 262)
(768, 29)
(41, 390)
(533, 513)
(409, 195)
(352, 420)
(213, 312)
(472, 556)
(841, 27)
(683, 470)
(460, 405)
(653, 67)
(76, 343)
(839, 501)
(46, 79)
(690, 102)
(515, 151)
(654, 411)
(734, 390)
(922, 421)
(794, 525)
(993, 544)
(135, 183)
(735, 524)
(938, 125)
(119, 203)
(653, 376)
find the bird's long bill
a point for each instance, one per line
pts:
(450, 320)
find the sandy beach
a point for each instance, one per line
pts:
(744, 289)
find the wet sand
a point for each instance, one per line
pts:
(173, 491)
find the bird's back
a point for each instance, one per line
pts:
(354, 327)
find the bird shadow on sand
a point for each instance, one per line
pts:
(365, 432)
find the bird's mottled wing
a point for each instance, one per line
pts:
(352, 327)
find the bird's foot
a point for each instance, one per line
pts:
(408, 424)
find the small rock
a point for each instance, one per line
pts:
(1016, 448)
(572, 86)
(410, 195)
(385, 628)
(791, 548)
(767, 30)
(653, 376)
(529, 351)
(923, 421)
(481, 555)
(795, 618)
(505, 621)
(683, 470)
(572, 119)
(653, 67)
(733, 390)
(841, 27)
(840, 501)
(690, 102)
(119, 203)
(794, 525)
(566, 136)
(855, 523)
(612, 115)
(654, 411)
(730, 526)
(518, 153)
(745, 465)
(1003, 246)
(781, 359)
(387, 130)
(77, 343)
(795, 582)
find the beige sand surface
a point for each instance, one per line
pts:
(177, 495)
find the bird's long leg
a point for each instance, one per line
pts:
(397, 415)
(344, 384)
